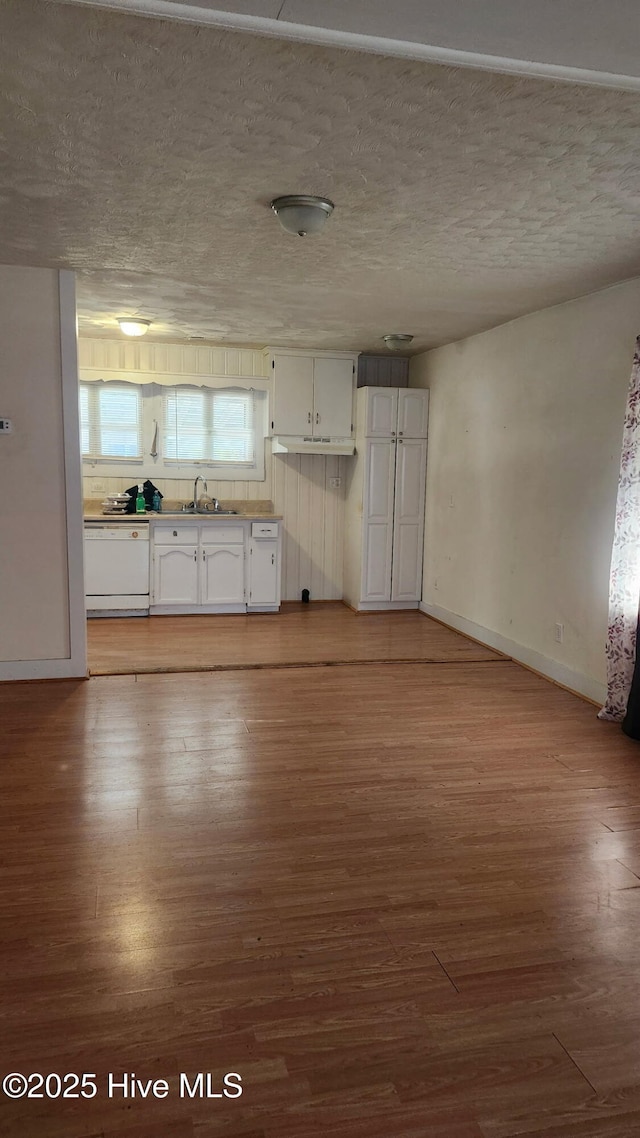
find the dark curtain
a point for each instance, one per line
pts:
(631, 721)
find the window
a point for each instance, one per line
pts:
(174, 431)
(110, 421)
(216, 427)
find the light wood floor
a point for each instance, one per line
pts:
(402, 901)
(300, 634)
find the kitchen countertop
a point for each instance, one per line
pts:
(150, 516)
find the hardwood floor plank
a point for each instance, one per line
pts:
(392, 897)
(299, 634)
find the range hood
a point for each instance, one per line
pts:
(289, 444)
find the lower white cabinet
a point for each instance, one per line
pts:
(222, 575)
(264, 585)
(213, 566)
(264, 567)
(175, 575)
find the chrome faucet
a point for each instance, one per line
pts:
(195, 490)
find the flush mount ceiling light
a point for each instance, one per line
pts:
(136, 327)
(301, 213)
(396, 341)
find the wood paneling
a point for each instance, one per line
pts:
(313, 512)
(390, 897)
(180, 359)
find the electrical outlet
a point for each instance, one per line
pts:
(335, 483)
(99, 487)
(559, 633)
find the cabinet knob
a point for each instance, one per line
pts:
(400, 432)
(308, 417)
(317, 416)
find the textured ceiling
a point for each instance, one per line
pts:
(144, 154)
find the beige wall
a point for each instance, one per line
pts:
(524, 451)
(36, 616)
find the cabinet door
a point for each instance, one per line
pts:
(292, 411)
(408, 520)
(332, 398)
(413, 413)
(263, 572)
(175, 575)
(378, 520)
(382, 412)
(222, 574)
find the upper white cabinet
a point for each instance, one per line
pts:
(333, 387)
(292, 408)
(413, 413)
(312, 393)
(391, 413)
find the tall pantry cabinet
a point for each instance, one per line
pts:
(385, 492)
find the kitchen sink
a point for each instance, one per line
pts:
(209, 513)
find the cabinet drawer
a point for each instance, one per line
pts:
(214, 534)
(175, 535)
(264, 529)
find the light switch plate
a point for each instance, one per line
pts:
(6, 426)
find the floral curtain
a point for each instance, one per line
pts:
(624, 582)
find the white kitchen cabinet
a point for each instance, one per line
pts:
(408, 519)
(264, 567)
(392, 412)
(175, 575)
(201, 566)
(380, 457)
(385, 496)
(264, 585)
(333, 387)
(222, 575)
(312, 393)
(292, 408)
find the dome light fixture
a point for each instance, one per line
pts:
(131, 326)
(396, 341)
(302, 213)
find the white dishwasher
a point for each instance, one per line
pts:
(116, 568)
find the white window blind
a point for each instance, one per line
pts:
(210, 426)
(110, 421)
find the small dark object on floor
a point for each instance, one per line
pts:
(305, 596)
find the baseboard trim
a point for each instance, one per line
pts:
(386, 606)
(575, 682)
(20, 670)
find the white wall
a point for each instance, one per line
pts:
(524, 451)
(298, 485)
(41, 624)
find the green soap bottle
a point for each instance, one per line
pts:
(141, 505)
